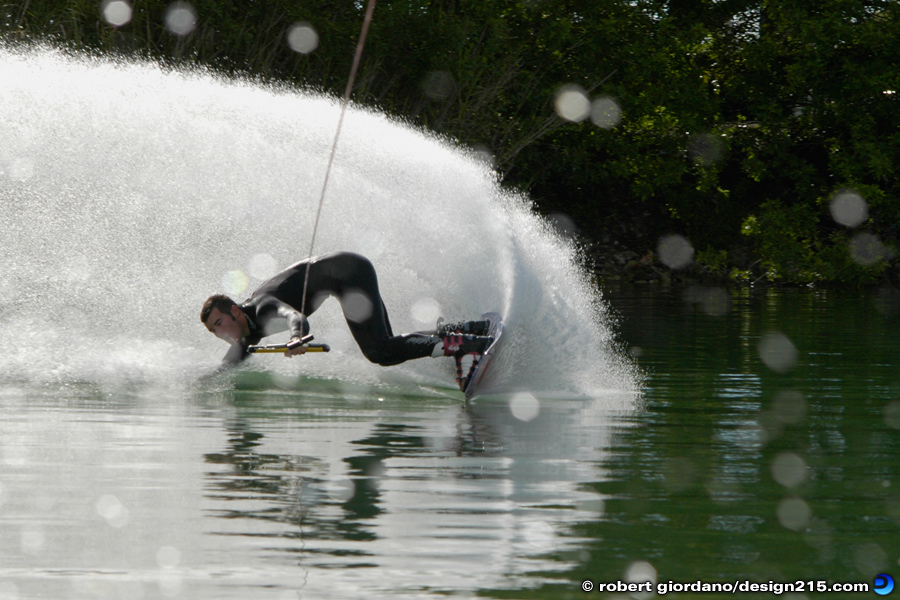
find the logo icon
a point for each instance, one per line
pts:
(884, 584)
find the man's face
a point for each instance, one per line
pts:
(225, 326)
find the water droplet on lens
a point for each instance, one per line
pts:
(425, 311)
(572, 104)
(110, 508)
(641, 572)
(793, 513)
(539, 534)
(181, 18)
(342, 490)
(524, 407)
(866, 249)
(116, 12)
(605, 113)
(302, 38)
(778, 352)
(357, 306)
(849, 209)
(675, 251)
(789, 470)
(262, 266)
(235, 283)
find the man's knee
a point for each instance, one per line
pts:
(380, 357)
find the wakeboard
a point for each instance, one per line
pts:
(495, 330)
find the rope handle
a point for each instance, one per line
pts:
(280, 348)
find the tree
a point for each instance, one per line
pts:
(740, 119)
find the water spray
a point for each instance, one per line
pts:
(131, 190)
(370, 9)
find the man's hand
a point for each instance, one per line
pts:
(295, 347)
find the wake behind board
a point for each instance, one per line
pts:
(495, 330)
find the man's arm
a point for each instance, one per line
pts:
(296, 321)
(274, 316)
(298, 326)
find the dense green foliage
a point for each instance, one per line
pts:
(740, 119)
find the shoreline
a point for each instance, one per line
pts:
(617, 264)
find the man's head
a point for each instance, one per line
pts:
(224, 318)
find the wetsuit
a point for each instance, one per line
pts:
(275, 306)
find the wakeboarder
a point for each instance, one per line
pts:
(276, 306)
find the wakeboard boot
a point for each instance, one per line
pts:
(479, 328)
(466, 350)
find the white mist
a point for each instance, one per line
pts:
(130, 193)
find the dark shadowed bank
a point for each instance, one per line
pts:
(763, 135)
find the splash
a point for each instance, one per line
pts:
(131, 192)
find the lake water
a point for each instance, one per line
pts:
(751, 436)
(763, 446)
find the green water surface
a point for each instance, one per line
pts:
(763, 447)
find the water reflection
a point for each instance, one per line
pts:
(750, 471)
(467, 491)
(727, 470)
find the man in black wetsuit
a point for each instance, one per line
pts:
(275, 307)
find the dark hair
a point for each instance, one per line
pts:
(220, 301)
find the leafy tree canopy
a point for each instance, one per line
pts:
(735, 123)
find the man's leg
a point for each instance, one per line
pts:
(353, 280)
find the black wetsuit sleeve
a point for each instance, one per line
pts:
(296, 322)
(274, 315)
